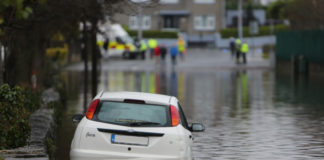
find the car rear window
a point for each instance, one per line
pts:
(132, 114)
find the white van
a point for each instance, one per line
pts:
(114, 41)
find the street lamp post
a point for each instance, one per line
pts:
(239, 19)
(140, 4)
(139, 28)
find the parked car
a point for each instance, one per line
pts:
(133, 125)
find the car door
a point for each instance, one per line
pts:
(188, 138)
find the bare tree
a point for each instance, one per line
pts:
(306, 14)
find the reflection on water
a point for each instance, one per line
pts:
(163, 82)
(251, 114)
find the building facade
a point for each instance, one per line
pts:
(231, 17)
(199, 20)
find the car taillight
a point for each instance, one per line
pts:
(92, 108)
(175, 117)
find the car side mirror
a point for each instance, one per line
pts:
(197, 127)
(77, 118)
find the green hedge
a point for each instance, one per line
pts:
(16, 105)
(154, 34)
(263, 30)
(14, 117)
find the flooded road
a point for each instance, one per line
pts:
(248, 113)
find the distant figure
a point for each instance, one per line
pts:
(232, 47)
(174, 53)
(152, 43)
(163, 51)
(181, 47)
(238, 50)
(137, 42)
(143, 49)
(106, 44)
(157, 53)
(244, 50)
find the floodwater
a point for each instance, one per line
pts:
(248, 114)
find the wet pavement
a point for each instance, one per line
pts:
(249, 111)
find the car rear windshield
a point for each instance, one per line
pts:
(132, 114)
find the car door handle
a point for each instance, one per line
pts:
(190, 137)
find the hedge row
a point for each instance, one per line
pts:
(16, 105)
(154, 34)
(263, 30)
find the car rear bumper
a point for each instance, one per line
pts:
(81, 154)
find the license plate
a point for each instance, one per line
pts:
(129, 140)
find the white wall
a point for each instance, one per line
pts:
(252, 42)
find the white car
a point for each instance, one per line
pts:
(133, 125)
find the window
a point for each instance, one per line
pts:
(169, 1)
(130, 113)
(204, 22)
(183, 118)
(204, 1)
(171, 22)
(134, 22)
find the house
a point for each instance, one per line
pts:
(231, 17)
(198, 20)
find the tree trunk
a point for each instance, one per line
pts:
(1, 74)
(94, 76)
(85, 58)
(25, 55)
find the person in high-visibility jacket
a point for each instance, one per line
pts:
(244, 51)
(181, 47)
(152, 43)
(143, 49)
(238, 49)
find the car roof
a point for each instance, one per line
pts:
(149, 98)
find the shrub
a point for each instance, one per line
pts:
(263, 30)
(32, 100)
(268, 48)
(15, 129)
(154, 34)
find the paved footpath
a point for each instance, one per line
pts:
(194, 60)
(42, 124)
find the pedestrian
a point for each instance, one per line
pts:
(174, 53)
(244, 50)
(157, 53)
(238, 50)
(137, 43)
(106, 47)
(152, 43)
(232, 47)
(181, 47)
(163, 51)
(143, 49)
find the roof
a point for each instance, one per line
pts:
(147, 97)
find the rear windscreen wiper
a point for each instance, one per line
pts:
(142, 123)
(131, 133)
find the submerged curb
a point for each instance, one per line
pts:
(42, 124)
